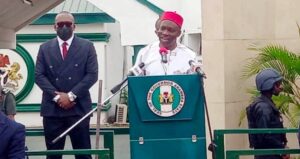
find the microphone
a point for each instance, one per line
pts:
(195, 67)
(134, 71)
(163, 53)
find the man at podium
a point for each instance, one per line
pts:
(166, 57)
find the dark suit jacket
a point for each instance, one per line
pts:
(77, 73)
(12, 139)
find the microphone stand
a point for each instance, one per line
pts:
(132, 72)
(87, 115)
(118, 86)
(212, 146)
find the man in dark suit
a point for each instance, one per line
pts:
(66, 68)
(12, 138)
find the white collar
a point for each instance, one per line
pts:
(69, 41)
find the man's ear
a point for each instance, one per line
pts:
(179, 33)
(54, 26)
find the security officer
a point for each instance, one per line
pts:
(66, 68)
(262, 113)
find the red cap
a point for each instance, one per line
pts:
(172, 16)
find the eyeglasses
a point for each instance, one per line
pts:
(62, 24)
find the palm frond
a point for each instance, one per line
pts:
(294, 115)
(274, 56)
(282, 102)
(242, 117)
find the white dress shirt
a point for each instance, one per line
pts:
(178, 60)
(60, 43)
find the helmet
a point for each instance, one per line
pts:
(266, 79)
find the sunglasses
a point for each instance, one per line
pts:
(62, 24)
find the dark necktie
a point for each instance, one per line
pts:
(64, 50)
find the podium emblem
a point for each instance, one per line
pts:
(165, 98)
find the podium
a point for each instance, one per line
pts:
(166, 116)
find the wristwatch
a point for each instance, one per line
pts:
(72, 96)
(56, 98)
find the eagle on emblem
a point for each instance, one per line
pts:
(166, 98)
(9, 74)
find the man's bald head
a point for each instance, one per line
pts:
(64, 16)
(64, 25)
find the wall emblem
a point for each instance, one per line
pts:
(165, 98)
(16, 71)
(10, 72)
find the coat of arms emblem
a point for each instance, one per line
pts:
(165, 98)
(9, 73)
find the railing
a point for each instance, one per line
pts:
(221, 153)
(102, 153)
(106, 153)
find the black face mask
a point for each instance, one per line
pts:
(64, 32)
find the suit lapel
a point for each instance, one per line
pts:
(56, 55)
(55, 51)
(73, 49)
(72, 52)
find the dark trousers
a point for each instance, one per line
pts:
(79, 135)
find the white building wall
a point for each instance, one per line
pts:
(114, 61)
(136, 20)
(230, 28)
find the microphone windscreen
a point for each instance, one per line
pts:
(136, 70)
(191, 62)
(141, 65)
(163, 50)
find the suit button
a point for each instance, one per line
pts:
(70, 78)
(56, 79)
(50, 66)
(76, 65)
